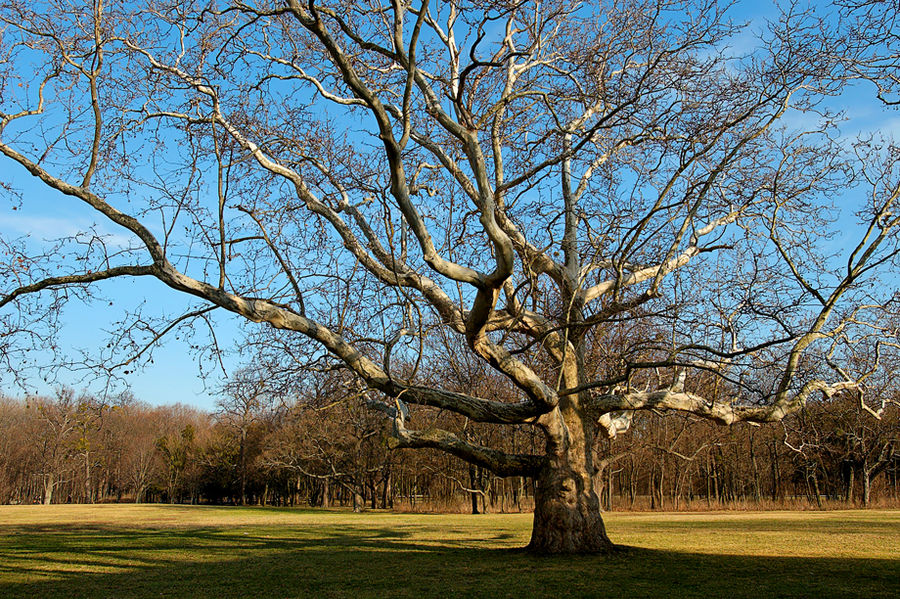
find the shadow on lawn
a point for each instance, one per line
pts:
(352, 562)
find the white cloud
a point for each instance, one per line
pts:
(45, 228)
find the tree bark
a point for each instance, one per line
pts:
(88, 495)
(815, 481)
(473, 484)
(608, 490)
(242, 465)
(387, 495)
(776, 485)
(49, 484)
(326, 499)
(567, 513)
(850, 482)
(867, 486)
(567, 516)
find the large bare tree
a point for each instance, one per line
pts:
(618, 207)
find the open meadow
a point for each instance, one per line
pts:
(192, 551)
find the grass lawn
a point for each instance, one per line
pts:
(180, 551)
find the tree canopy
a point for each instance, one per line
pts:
(640, 205)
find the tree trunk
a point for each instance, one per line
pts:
(660, 495)
(815, 481)
(242, 465)
(850, 483)
(632, 485)
(473, 484)
(358, 500)
(608, 490)
(49, 483)
(867, 486)
(567, 513)
(387, 495)
(775, 476)
(88, 496)
(566, 509)
(326, 494)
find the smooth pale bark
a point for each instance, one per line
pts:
(49, 484)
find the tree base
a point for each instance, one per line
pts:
(564, 529)
(568, 546)
(567, 517)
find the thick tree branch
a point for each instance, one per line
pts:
(79, 279)
(498, 462)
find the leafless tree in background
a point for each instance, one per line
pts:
(245, 401)
(552, 182)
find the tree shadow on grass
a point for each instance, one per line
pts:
(221, 563)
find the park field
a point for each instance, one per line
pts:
(220, 552)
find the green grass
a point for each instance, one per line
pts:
(179, 551)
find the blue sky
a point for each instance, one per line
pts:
(173, 377)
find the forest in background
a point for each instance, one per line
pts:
(328, 450)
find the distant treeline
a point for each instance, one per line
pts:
(76, 448)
